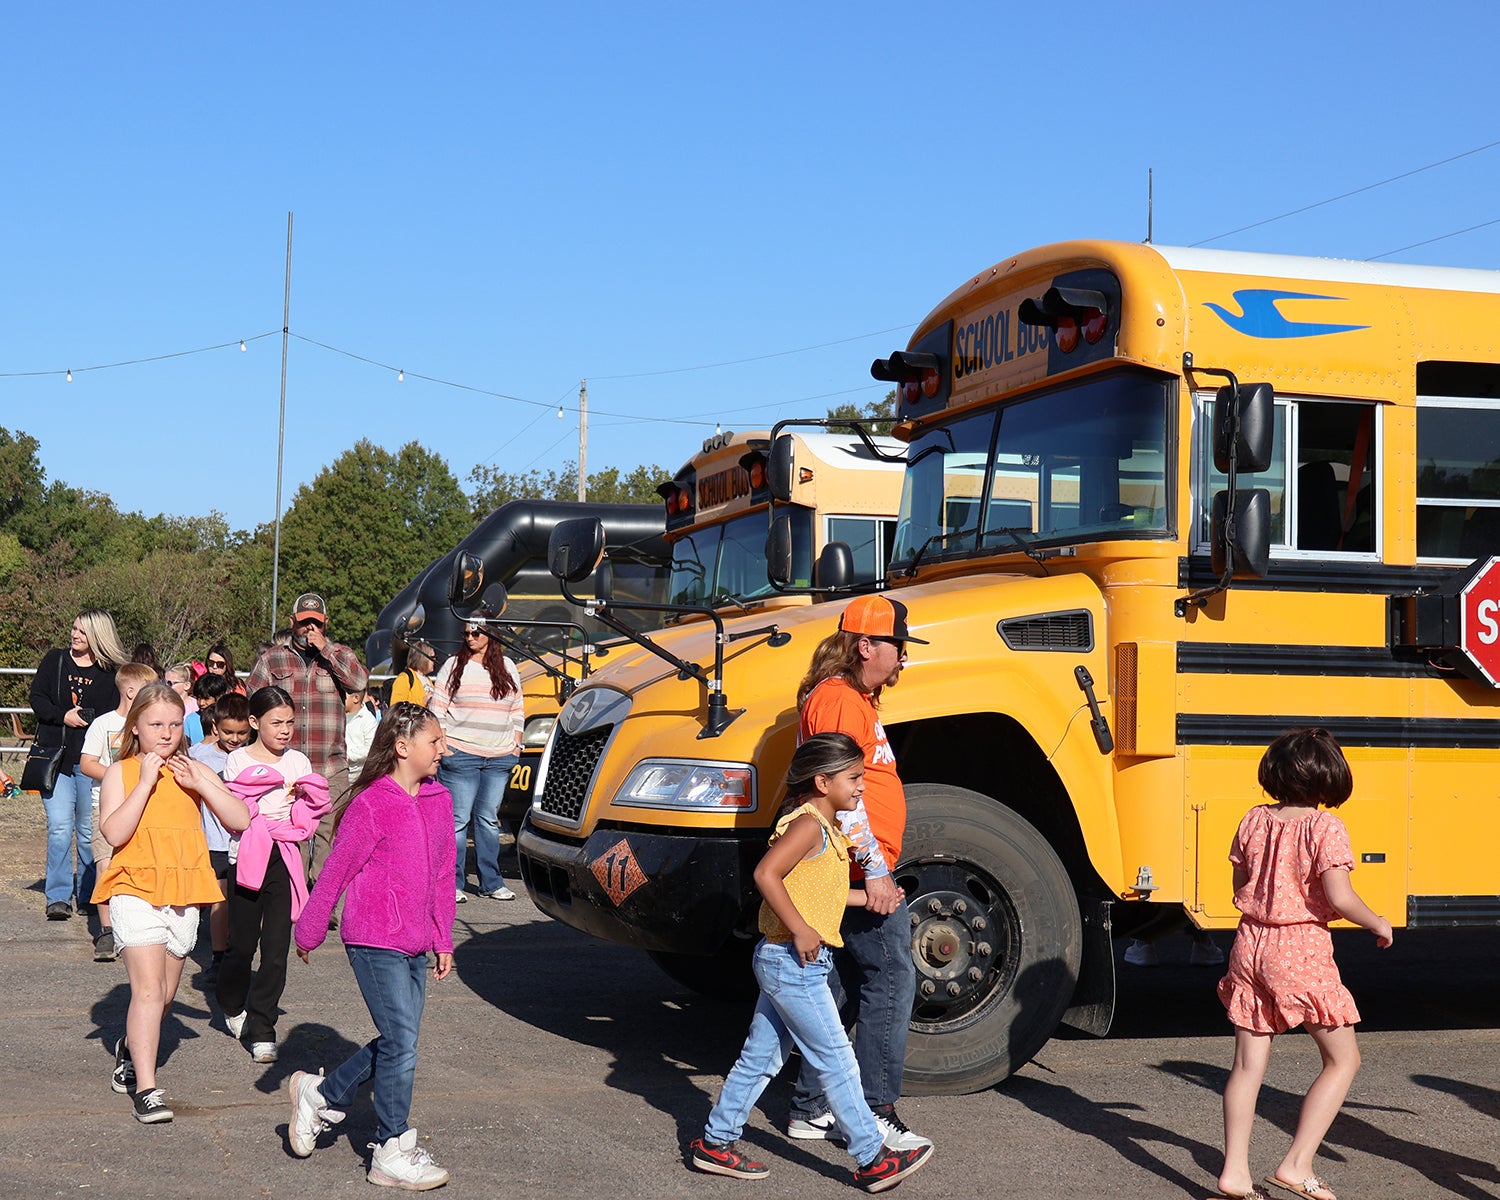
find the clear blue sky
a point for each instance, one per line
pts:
(517, 197)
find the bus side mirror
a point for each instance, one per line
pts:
(575, 548)
(1250, 547)
(779, 549)
(834, 570)
(495, 599)
(407, 626)
(779, 469)
(1244, 418)
(464, 578)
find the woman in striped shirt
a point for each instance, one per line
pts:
(477, 697)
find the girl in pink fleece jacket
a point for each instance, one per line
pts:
(268, 887)
(393, 853)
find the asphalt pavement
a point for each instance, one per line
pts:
(553, 1065)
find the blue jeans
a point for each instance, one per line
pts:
(68, 820)
(875, 970)
(796, 1004)
(477, 785)
(394, 986)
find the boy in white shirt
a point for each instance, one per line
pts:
(101, 742)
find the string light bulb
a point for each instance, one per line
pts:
(400, 376)
(559, 407)
(70, 380)
(242, 345)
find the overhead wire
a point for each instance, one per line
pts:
(1355, 192)
(131, 362)
(1442, 237)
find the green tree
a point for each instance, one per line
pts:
(364, 528)
(22, 480)
(883, 411)
(492, 487)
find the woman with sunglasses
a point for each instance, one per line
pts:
(477, 697)
(219, 661)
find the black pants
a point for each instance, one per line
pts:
(258, 919)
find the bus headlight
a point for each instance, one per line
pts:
(537, 730)
(691, 785)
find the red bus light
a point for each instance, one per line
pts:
(1094, 323)
(1066, 334)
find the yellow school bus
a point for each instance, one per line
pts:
(1160, 505)
(718, 510)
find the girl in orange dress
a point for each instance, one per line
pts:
(160, 872)
(1291, 878)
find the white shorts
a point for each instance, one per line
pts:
(137, 922)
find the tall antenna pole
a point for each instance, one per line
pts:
(286, 326)
(1150, 201)
(583, 440)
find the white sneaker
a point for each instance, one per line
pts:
(893, 1129)
(809, 1129)
(401, 1163)
(460, 896)
(310, 1115)
(263, 1052)
(1140, 954)
(500, 893)
(236, 1024)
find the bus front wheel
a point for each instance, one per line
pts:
(996, 939)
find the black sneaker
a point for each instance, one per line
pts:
(725, 1160)
(104, 947)
(123, 1078)
(151, 1107)
(891, 1168)
(59, 910)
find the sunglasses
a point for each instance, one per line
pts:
(899, 643)
(217, 663)
(473, 633)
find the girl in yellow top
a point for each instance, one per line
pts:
(804, 879)
(160, 872)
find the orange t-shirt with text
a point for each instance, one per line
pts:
(836, 707)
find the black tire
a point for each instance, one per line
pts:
(722, 976)
(996, 938)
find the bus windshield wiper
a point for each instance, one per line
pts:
(916, 558)
(1020, 535)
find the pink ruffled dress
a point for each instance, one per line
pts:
(1281, 970)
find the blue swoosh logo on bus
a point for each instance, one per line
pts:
(1259, 317)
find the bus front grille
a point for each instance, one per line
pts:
(570, 770)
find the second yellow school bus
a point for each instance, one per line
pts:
(1080, 738)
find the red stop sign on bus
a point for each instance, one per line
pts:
(1479, 620)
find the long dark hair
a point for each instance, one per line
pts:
(821, 754)
(501, 681)
(402, 720)
(220, 650)
(269, 697)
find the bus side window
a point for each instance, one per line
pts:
(1335, 446)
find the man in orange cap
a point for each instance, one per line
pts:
(841, 694)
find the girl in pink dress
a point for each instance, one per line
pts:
(1291, 878)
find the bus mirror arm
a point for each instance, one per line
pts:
(719, 715)
(1097, 719)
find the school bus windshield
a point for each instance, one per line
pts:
(1084, 462)
(730, 558)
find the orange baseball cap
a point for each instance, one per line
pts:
(877, 616)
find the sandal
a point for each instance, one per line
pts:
(1311, 1188)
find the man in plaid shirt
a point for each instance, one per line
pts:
(317, 674)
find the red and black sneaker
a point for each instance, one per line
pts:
(725, 1160)
(891, 1168)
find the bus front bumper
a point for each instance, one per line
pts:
(673, 893)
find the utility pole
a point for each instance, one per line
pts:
(583, 440)
(286, 325)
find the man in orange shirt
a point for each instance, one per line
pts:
(841, 694)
